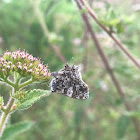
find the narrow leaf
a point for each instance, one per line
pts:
(133, 114)
(16, 129)
(120, 27)
(114, 22)
(122, 126)
(111, 15)
(32, 97)
(108, 5)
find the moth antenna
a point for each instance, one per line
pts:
(73, 60)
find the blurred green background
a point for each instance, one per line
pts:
(101, 117)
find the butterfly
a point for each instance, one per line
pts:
(68, 81)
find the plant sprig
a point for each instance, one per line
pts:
(19, 65)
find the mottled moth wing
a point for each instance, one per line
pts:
(68, 82)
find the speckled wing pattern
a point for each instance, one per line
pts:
(68, 82)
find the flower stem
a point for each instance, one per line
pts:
(26, 83)
(9, 107)
(8, 82)
(3, 121)
(5, 115)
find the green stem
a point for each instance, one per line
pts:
(6, 111)
(5, 115)
(26, 83)
(2, 108)
(17, 78)
(9, 82)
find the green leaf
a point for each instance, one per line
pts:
(16, 129)
(84, 10)
(133, 114)
(32, 97)
(54, 38)
(111, 15)
(122, 126)
(106, 22)
(111, 23)
(108, 5)
(78, 116)
(120, 27)
(1, 100)
(114, 22)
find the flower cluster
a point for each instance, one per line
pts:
(23, 63)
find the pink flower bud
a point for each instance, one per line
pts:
(30, 71)
(8, 67)
(3, 70)
(25, 67)
(19, 67)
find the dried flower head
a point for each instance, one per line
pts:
(23, 63)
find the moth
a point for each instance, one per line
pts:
(68, 81)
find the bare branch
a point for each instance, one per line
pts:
(107, 30)
(109, 69)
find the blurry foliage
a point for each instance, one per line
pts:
(113, 21)
(16, 129)
(102, 116)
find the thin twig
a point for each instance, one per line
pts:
(85, 46)
(109, 69)
(107, 30)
